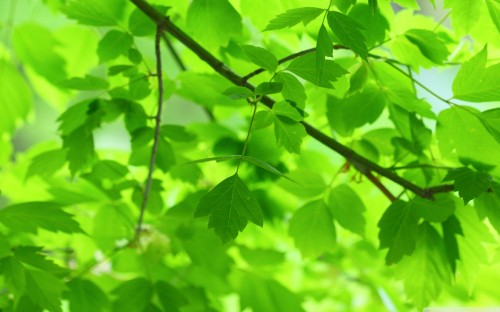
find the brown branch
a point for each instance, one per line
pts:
(361, 163)
(154, 152)
(379, 185)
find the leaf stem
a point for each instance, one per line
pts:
(154, 152)
(248, 136)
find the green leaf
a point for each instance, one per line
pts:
(451, 229)
(86, 83)
(491, 122)
(347, 208)
(363, 107)
(375, 24)
(312, 229)
(373, 5)
(488, 205)
(261, 57)
(14, 275)
(293, 17)
(134, 56)
(437, 210)
(80, 149)
(358, 78)
(429, 44)
(477, 83)
(264, 165)
(469, 183)
(348, 32)
(285, 109)
(33, 215)
(324, 48)
(293, 90)
(34, 257)
(305, 67)
(460, 134)
(268, 88)
(289, 133)
(139, 24)
(230, 206)
(44, 289)
(494, 10)
(36, 46)
(263, 119)
(113, 44)
(464, 14)
(94, 12)
(177, 133)
(166, 157)
(85, 296)
(15, 97)
(238, 93)
(133, 295)
(310, 184)
(426, 271)
(213, 22)
(170, 297)
(398, 231)
(217, 159)
(406, 99)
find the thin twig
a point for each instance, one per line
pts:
(419, 166)
(154, 153)
(379, 185)
(243, 152)
(360, 162)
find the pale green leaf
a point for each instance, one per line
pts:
(293, 17)
(464, 14)
(494, 10)
(309, 184)
(426, 271)
(85, 83)
(375, 24)
(429, 44)
(312, 229)
(33, 215)
(261, 57)
(238, 93)
(347, 208)
(230, 205)
(348, 32)
(94, 12)
(488, 205)
(398, 231)
(491, 122)
(477, 83)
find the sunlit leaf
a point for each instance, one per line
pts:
(293, 17)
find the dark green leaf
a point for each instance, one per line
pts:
(170, 297)
(488, 205)
(293, 90)
(264, 166)
(437, 210)
(166, 157)
(177, 133)
(85, 296)
(133, 295)
(80, 149)
(324, 48)
(285, 109)
(375, 24)
(293, 17)
(312, 229)
(139, 24)
(230, 205)
(263, 119)
(33, 215)
(305, 67)
(113, 44)
(86, 83)
(491, 122)
(451, 228)
(261, 57)
(469, 183)
(358, 78)
(268, 88)
(494, 10)
(44, 290)
(289, 133)
(398, 231)
(348, 32)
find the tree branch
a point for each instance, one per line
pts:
(361, 163)
(154, 152)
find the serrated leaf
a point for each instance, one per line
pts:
(177, 133)
(268, 88)
(309, 184)
(265, 166)
(488, 205)
(133, 295)
(139, 24)
(86, 83)
(293, 17)
(14, 275)
(34, 257)
(113, 44)
(469, 183)
(171, 298)
(230, 206)
(289, 133)
(347, 208)
(398, 231)
(305, 67)
(261, 57)
(491, 122)
(475, 82)
(44, 289)
(293, 90)
(429, 44)
(85, 296)
(451, 228)
(348, 32)
(94, 12)
(437, 210)
(80, 149)
(238, 93)
(33, 215)
(427, 270)
(47, 163)
(217, 159)
(312, 229)
(285, 109)
(465, 14)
